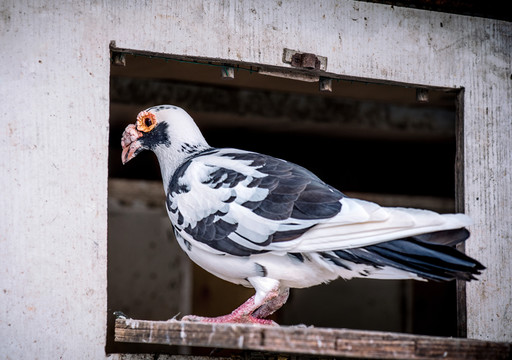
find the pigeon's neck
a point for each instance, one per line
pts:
(170, 159)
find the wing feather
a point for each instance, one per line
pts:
(257, 200)
(361, 223)
(245, 203)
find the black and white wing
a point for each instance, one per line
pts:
(244, 203)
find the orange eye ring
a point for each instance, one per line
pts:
(146, 121)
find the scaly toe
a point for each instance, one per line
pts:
(193, 318)
(229, 319)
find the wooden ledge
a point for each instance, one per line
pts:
(307, 340)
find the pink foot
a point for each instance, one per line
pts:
(243, 314)
(236, 319)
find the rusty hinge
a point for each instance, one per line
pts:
(304, 60)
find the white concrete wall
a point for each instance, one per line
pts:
(54, 73)
(54, 80)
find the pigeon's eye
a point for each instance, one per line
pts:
(146, 121)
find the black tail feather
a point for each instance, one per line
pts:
(444, 237)
(430, 256)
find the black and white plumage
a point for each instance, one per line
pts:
(263, 222)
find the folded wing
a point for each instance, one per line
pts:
(244, 203)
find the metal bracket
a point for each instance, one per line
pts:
(304, 60)
(118, 59)
(422, 95)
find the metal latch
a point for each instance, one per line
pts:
(304, 60)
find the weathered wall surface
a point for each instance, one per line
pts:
(53, 216)
(54, 78)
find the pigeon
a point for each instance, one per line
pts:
(266, 223)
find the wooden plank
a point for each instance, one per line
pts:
(307, 340)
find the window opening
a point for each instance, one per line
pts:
(374, 141)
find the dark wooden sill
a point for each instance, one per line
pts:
(307, 340)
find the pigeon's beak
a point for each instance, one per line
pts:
(130, 144)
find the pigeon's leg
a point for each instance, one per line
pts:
(249, 311)
(272, 305)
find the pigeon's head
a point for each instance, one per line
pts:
(167, 130)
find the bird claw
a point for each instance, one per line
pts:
(192, 318)
(120, 315)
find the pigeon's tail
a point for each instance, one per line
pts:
(429, 256)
